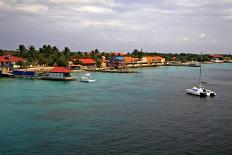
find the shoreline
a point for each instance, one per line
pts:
(39, 71)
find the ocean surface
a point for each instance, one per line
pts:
(142, 113)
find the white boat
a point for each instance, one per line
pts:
(197, 91)
(87, 78)
(200, 90)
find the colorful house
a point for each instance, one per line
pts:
(159, 60)
(60, 74)
(130, 60)
(103, 62)
(153, 60)
(217, 58)
(88, 62)
(121, 54)
(8, 62)
(148, 59)
(73, 66)
(117, 62)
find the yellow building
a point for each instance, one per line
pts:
(103, 62)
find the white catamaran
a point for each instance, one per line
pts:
(200, 90)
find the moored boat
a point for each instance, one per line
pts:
(197, 92)
(200, 90)
(87, 78)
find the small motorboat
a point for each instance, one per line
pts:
(87, 78)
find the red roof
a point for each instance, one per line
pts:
(59, 70)
(87, 61)
(216, 56)
(10, 58)
(159, 58)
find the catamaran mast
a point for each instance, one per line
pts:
(200, 70)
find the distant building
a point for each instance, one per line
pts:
(8, 62)
(73, 66)
(147, 59)
(159, 60)
(117, 62)
(89, 62)
(153, 60)
(121, 54)
(130, 60)
(103, 62)
(217, 58)
(173, 58)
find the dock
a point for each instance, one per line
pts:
(112, 70)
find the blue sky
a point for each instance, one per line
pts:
(118, 25)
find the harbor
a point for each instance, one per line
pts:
(149, 108)
(14, 66)
(115, 77)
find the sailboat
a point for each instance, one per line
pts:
(200, 90)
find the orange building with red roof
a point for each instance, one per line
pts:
(10, 59)
(7, 62)
(153, 60)
(129, 60)
(159, 59)
(87, 61)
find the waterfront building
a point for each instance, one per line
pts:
(159, 60)
(217, 58)
(130, 60)
(59, 73)
(148, 60)
(8, 62)
(103, 62)
(88, 62)
(117, 62)
(74, 67)
(152, 60)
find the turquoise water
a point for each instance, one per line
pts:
(142, 113)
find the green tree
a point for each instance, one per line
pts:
(2, 52)
(22, 51)
(67, 52)
(62, 61)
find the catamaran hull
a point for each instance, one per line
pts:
(196, 93)
(88, 81)
(210, 93)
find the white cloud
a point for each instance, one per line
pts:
(202, 35)
(105, 23)
(167, 23)
(227, 14)
(32, 8)
(185, 38)
(4, 6)
(80, 2)
(94, 9)
(227, 17)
